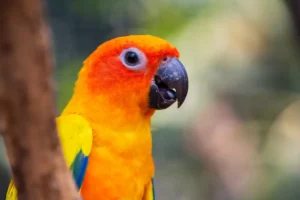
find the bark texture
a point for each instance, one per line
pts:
(27, 109)
(294, 9)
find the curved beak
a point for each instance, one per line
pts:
(170, 84)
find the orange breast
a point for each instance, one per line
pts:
(120, 166)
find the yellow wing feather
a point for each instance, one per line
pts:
(149, 192)
(75, 134)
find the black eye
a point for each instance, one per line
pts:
(131, 58)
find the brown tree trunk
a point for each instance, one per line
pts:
(27, 111)
(294, 8)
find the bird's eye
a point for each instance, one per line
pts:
(133, 59)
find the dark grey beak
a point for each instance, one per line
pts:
(170, 84)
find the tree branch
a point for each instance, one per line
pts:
(27, 111)
(294, 9)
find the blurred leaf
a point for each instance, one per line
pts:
(66, 76)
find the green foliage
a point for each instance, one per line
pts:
(93, 8)
(161, 20)
(66, 75)
(171, 18)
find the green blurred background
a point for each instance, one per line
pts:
(238, 134)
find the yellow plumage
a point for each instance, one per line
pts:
(75, 134)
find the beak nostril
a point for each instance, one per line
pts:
(165, 60)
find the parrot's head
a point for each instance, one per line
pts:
(140, 70)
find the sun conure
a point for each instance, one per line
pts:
(105, 128)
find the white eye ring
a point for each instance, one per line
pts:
(133, 59)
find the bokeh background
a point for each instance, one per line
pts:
(238, 134)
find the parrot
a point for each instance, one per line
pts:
(105, 129)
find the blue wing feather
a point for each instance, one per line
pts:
(79, 168)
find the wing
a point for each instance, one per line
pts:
(150, 191)
(76, 137)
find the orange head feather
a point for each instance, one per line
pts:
(108, 75)
(107, 82)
